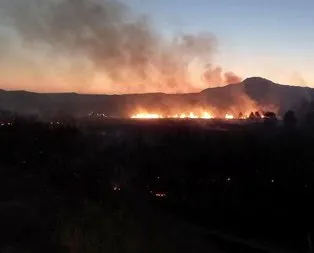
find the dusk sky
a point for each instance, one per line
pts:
(271, 38)
(255, 37)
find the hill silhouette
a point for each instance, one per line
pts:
(254, 91)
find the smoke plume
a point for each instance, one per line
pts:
(104, 43)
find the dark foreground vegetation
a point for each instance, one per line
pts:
(153, 187)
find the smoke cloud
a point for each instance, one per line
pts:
(298, 79)
(105, 44)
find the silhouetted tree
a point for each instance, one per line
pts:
(301, 110)
(6, 115)
(257, 115)
(240, 115)
(252, 116)
(290, 119)
(270, 118)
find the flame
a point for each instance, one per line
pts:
(193, 116)
(229, 116)
(146, 116)
(190, 115)
(207, 115)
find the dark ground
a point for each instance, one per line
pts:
(229, 187)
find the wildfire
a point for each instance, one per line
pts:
(229, 116)
(146, 116)
(199, 113)
(207, 115)
(191, 115)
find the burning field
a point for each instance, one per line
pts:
(229, 102)
(191, 115)
(97, 47)
(204, 115)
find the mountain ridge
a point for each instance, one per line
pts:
(254, 91)
(245, 81)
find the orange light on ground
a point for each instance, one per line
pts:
(160, 195)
